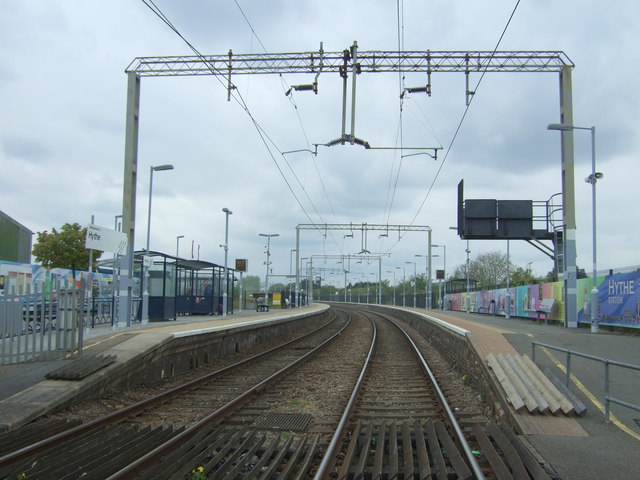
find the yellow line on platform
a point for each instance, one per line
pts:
(592, 397)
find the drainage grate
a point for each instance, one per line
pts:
(296, 422)
(79, 369)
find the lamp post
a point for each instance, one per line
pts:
(468, 302)
(394, 285)
(415, 281)
(426, 282)
(145, 279)
(178, 244)
(227, 212)
(444, 267)
(266, 283)
(592, 179)
(404, 286)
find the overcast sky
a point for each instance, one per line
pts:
(63, 98)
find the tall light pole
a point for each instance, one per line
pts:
(468, 273)
(468, 302)
(444, 267)
(415, 281)
(592, 179)
(508, 295)
(227, 212)
(266, 284)
(145, 279)
(426, 283)
(404, 286)
(178, 244)
(394, 285)
(290, 274)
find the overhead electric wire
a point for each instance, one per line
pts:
(240, 100)
(304, 133)
(464, 114)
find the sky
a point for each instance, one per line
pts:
(62, 128)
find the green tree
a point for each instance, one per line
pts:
(488, 269)
(64, 249)
(250, 284)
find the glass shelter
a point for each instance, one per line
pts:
(179, 286)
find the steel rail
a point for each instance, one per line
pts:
(152, 457)
(331, 451)
(328, 461)
(140, 406)
(473, 463)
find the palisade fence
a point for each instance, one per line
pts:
(42, 325)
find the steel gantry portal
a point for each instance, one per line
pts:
(226, 66)
(364, 228)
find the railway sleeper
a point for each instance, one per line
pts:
(425, 449)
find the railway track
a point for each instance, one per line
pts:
(361, 405)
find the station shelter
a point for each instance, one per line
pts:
(179, 286)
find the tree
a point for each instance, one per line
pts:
(250, 284)
(64, 249)
(487, 269)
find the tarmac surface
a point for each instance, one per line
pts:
(583, 447)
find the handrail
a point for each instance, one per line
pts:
(606, 361)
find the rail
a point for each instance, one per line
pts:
(608, 399)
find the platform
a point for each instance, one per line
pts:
(577, 447)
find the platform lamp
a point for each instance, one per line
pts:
(145, 279)
(592, 179)
(444, 267)
(227, 212)
(266, 285)
(468, 302)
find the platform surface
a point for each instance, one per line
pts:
(577, 447)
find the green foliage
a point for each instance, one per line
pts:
(64, 249)
(250, 284)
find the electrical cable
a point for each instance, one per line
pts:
(240, 100)
(464, 114)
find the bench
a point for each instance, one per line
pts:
(262, 308)
(545, 307)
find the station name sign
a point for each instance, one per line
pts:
(105, 240)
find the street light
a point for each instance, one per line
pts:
(444, 267)
(404, 286)
(468, 302)
(415, 281)
(145, 280)
(426, 279)
(592, 179)
(178, 244)
(227, 212)
(394, 285)
(266, 284)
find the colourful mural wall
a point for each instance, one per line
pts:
(618, 300)
(23, 277)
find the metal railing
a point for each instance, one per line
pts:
(39, 326)
(608, 399)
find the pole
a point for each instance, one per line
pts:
(507, 296)
(145, 268)
(595, 327)
(468, 272)
(227, 212)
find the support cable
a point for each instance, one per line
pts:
(464, 114)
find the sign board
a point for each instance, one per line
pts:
(105, 240)
(241, 264)
(439, 274)
(276, 299)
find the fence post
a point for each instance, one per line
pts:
(606, 390)
(568, 376)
